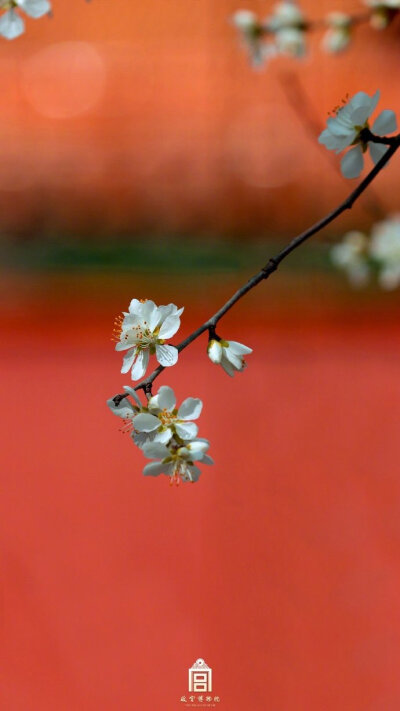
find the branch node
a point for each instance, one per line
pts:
(212, 334)
(271, 266)
(118, 399)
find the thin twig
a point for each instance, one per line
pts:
(273, 262)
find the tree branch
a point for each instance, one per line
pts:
(273, 262)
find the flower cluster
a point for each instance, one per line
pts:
(382, 12)
(12, 25)
(349, 126)
(361, 256)
(162, 431)
(285, 30)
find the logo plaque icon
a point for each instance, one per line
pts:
(200, 677)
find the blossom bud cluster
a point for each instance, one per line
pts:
(165, 433)
(12, 24)
(284, 30)
(362, 256)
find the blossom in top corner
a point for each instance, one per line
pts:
(288, 24)
(338, 35)
(142, 331)
(228, 354)
(382, 12)
(252, 35)
(12, 24)
(345, 129)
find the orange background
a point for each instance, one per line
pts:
(120, 116)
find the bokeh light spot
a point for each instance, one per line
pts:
(64, 80)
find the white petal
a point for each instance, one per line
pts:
(186, 430)
(192, 473)
(228, 367)
(335, 40)
(389, 278)
(164, 436)
(132, 392)
(244, 19)
(207, 459)
(361, 98)
(166, 355)
(358, 274)
(154, 469)
(123, 345)
(169, 327)
(128, 359)
(385, 123)
(214, 351)
(190, 409)
(140, 365)
(352, 163)
(198, 447)
(338, 127)
(35, 8)
(135, 307)
(239, 348)
(144, 422)
(11, 25)
(337, 143)
(169, 310)
(235, 360)
(151, 315)
(377, 150)
(124, 409)
(140, 438)
(165, 398)
(363, 106)
(155, 450)
(327, 139)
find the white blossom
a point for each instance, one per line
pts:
(385, 250)
(252, 36)
(351, 256)
(338, 35)
(142, 331)
(382, 12)
(177, 460)
(164, 419)
(11, 23)
(392, 4)
(345, 128)
(360, 255)
(228, 354)
(288, 25)
(128, 412)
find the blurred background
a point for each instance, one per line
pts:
(141, 156)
